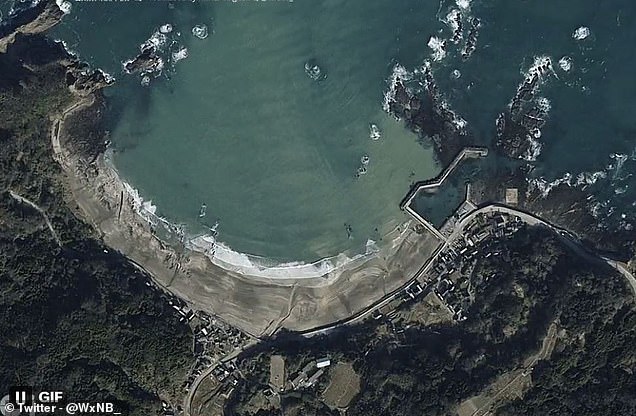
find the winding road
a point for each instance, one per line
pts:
(565, 236)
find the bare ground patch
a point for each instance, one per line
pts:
(343, 387)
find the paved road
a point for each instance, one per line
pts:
(624, 271)
(187, 403)
(564, 236)
(59, 121)
(573, 243)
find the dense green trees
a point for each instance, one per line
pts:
(78, 317)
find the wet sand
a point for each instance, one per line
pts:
(256, 304)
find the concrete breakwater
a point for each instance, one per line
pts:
(432, 185)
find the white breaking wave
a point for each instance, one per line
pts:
(107, 77)
(565, 63)
(535, 76)
(541, 66)
(180, 54)
(458, 121)
(534, 149)
(438, 46)
(157, 40)
(581, 33)
(200, 31)
(620, 160)
(544, 104)
(166, 28)
(249, 265)
(64, 5)
(246, 264)
(463, 4)
(454, 20)
(582, 179)
(399, 74)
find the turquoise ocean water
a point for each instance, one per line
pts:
(238, 124)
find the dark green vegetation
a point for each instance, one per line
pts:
(75, 317)
(429, 371)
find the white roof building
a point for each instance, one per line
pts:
(323, 362)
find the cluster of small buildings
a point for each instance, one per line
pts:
(213, 340)
(227, 375)
(453, 266)
(310, 373)
(390, 311)
(168, 410)
(182, 308)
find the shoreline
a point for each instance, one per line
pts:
(259, 300)
(251, 265)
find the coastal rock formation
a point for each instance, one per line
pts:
(37, 19)
(35, 51)
(519, 128)
(161, 51)
(471, 39)
(426, 113)
(148, 61)
(84, 81)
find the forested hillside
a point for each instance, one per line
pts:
(74, 315)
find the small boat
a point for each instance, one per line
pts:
(364, 160)
(362, 171)
(202, 210)
(374, 132)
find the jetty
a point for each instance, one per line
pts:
(433, 185)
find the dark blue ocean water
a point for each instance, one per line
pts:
(239, 125)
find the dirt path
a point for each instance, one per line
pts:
(32, 204)
(521, 378)
(58, 122)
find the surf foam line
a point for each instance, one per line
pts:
(582, 179)
(225, 257)
(88, 67)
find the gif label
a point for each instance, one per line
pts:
(21, 395)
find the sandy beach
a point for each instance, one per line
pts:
(256, 298)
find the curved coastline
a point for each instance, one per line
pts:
(245, 291)
(251, 265)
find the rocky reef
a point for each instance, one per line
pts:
(425, 112)
(148, 61)
(519, 127)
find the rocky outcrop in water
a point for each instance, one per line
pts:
(37, 19)
(426, 113)
(148, 61)
(471, 39)
(519, 127)
(84, 81)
